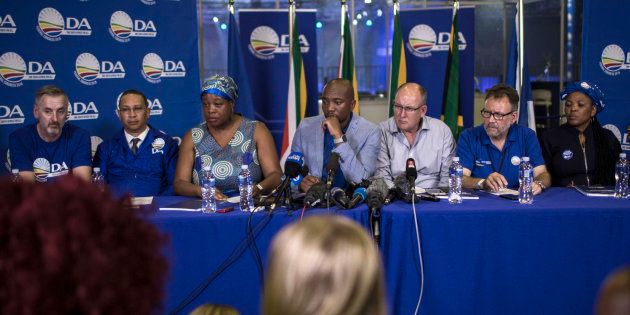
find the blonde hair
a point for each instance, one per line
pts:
(614, 295)
(214, 309)
(324, 265)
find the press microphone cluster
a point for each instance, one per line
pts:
(315, 195)
(293, 167)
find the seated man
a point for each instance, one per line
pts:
(354, 138)
(412, 134)
(139, 159)
(50, 148)
(491, 153)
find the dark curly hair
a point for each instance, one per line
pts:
(69, 248)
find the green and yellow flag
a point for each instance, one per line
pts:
(398, 71)
(451, 113)
(346, 54)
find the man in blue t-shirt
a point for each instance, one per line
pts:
(491, 153)
(139, 159)
(50, 147)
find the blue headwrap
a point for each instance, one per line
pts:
(220, 85)
(590, 90)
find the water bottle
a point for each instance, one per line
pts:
(245, 188)
(455, 174)
(97, 177)
(621, 177)
(15, 175)
(208, 197)
(525, 180)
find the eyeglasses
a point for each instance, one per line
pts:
(407, 109)
(131, 110)
(497, 116)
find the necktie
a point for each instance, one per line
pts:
(134, 145)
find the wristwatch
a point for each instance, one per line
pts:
(479, 184)
(542, 187)
(341, 139)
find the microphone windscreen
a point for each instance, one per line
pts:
(316, 192)
(293, 164)
(410, 171)
(377, 186)
(402, 186)
(333, 163)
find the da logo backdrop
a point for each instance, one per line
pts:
(95, 50)
(606, 62)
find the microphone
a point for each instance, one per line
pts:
(331, 168)
(402, 188)
(391, 195)
(357, 197)
(411, 173)
(339, 197)
(376, 194)
(315, 194)
(292, 168)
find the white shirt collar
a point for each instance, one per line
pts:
(141, 136)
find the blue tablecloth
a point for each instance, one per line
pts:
(495, 256)
(201, 242)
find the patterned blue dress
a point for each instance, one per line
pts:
(225, 162)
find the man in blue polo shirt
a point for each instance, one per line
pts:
(491, 153)
(50, 147)
(139, 159)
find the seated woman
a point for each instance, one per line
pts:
(581, 152)
(324, 265)
(221, 141)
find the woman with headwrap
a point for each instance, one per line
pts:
(581, 152)
(224, 141)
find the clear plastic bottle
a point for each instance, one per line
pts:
(15, 175)
(525, 180)
(245, 188)
(208, 197)
(455, 174)
(97, 177)
(621, 177)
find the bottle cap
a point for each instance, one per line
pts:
(244, 166)
(207, 168)
(525, 158)
(622, 155)
(97, 169)
(15, 171)
(456, 159)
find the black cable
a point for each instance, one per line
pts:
(254, 250)
(234, 255)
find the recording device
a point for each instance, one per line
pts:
(339, 197)
(292, 168)
(331, 169)
(411, 173)
(315, 195)
(402, 189)
(357, 197)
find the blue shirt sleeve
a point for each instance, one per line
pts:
(21, 157)
(82, 155)
(101, 158)
(465, 150)
(169, 164)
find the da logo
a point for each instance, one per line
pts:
(7, 25)
(82, 111)
(88, 69)
(157, 145)
(614, 60)
(624, 139)
(44, 169)
(10, 115)
(264, 43)
(154, 68)
(423, 41)
(122, 27)
(51, 25)
(13, 70)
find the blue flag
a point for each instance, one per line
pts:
(526, 107)
(236, 70)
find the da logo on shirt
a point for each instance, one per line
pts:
(157, 146)
(43, 169)
(515, 160)
(567, 154)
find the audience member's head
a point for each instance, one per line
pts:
(324, 265)
(214, 309)
(614, 295)
(69, 248)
